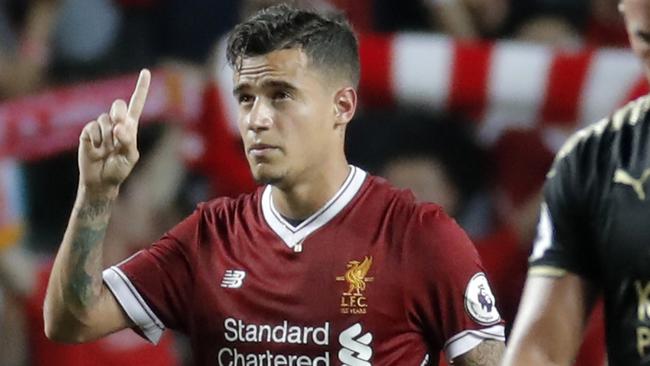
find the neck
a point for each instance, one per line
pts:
(303, 198)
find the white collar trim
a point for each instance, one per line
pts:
(294, 235)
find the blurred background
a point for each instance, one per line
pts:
(465, 102)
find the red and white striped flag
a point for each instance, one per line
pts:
(501, 85)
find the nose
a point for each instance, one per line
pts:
(260, 116)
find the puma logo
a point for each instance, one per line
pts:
(623, 177)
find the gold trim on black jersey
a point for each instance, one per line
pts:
(546, 271)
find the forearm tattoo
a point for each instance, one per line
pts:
(86, 255)
(487, 353)
(94, 210)
(85, 248)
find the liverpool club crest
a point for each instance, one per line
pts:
(353, 300)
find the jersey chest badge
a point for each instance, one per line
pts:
(353, 300)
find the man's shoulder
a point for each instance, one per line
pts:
(402, 202)
(219, 206)
(380, 188)
(627, 120)
(381, 192)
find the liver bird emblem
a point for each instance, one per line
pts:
(356, 275)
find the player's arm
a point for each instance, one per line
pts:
(487, 353)
(451, 295)
(78, 306)
(551, 320)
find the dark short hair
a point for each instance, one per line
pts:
(328, 41)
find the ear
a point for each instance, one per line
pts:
(345, 105)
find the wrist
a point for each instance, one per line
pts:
(87, 193)
(94, 205)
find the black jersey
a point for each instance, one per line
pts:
(595, 222)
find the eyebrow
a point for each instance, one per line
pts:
(274, 84)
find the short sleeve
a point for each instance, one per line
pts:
(450, 299)
(563, 231)
(154, 285)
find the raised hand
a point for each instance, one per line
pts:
(108, 146)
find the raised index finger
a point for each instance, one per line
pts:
(136, 105)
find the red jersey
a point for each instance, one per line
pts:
(371, 278)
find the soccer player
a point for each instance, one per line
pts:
(322, 265)
(594, 235)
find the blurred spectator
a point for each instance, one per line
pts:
(593, 22)
(549, 30)
(249, 7)
(358, 12)
(86, 29)
(365, 15)
(25, 44)
(94, 38)
(188, 29)
(433, 156)
(405, 15)
(574, 12)
(11, 204)
(11, 228)
(605, 26)
(147, 199)
(551, 22)
(469, 18)
(12, 325)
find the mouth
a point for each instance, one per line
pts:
(261, 149)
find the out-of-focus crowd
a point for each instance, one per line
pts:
(493, 190)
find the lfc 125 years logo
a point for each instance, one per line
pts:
(353, 301)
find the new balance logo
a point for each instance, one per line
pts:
(623, 177)
(233, 278)
(356, 349)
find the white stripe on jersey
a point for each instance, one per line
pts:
(294, 236)
(467, 340)
(133, 304)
